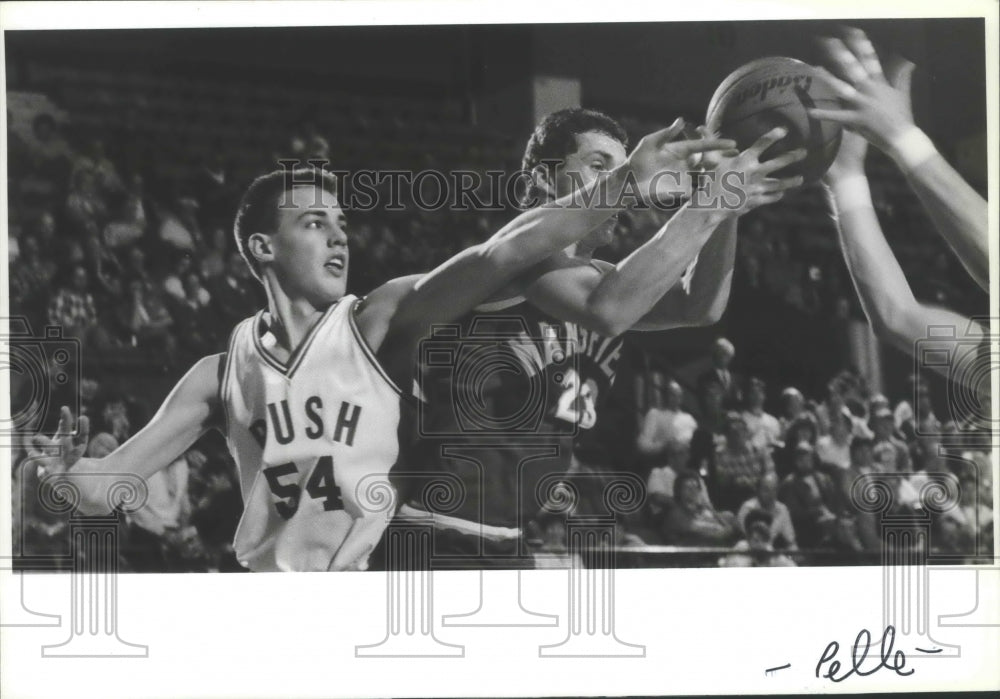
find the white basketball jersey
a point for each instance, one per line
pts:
(313, 440)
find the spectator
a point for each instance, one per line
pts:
(194, 325)
(665, 436)
(710, 434)
(782, 531)
(128, 224)
(811, 499)
(891, 454)
(29, 280)
(173, 284)
(235, 293)
(146, 314)
(834, 448)
(756, 550)
(694, 522)
(85, 207)
(736, 468)
(862, 464)
(793, 407)
(765, 430)
(47, 150)
(832, 406)
(94, 159)
(72, 308)
(801, 430)
(157, 529)
(722, 356)
(45, 233)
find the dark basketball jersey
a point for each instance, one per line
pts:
(503, 395)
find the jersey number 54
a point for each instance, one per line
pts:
(320, 485)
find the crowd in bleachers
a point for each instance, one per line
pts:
(120, 233)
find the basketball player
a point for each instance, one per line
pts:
(879, 110)
(501, 419)
(306, 393)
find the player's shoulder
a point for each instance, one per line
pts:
(385, 298)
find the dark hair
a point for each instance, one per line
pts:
(859, 442)
(555, 138)
(757, 517)
(258, 210)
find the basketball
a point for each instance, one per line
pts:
(772, 92)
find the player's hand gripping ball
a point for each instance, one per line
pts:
(772, 92)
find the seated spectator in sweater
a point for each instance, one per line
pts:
(765, 430)
(891, 454)
(811, 498)
(834, 448)
(782, 531)
(72, 307)
(756, 550)
(735, 469)
(694, 522)
(801, 430)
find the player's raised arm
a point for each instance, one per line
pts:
(895, 315)
(634, 293)
(187, 413)
(879, 109)
(468, 278)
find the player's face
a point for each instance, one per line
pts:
(596, 153)
(310, 246)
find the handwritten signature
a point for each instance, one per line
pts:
(889, 660)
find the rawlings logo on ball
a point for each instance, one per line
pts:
(760, 90)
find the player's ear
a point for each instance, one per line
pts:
(542, 179)
(260, 247)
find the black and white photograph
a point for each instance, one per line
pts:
(516, 331)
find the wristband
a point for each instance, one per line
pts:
(911, 149)
(851, 194)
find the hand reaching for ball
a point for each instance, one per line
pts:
(876, 105)
(740, 183)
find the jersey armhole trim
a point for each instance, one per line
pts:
(493, 306)
(227, 360)
(367, 351)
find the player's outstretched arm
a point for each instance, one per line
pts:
(187, 413)
(467, 279)
(879, 109)
(634, 293)
(894, 313)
